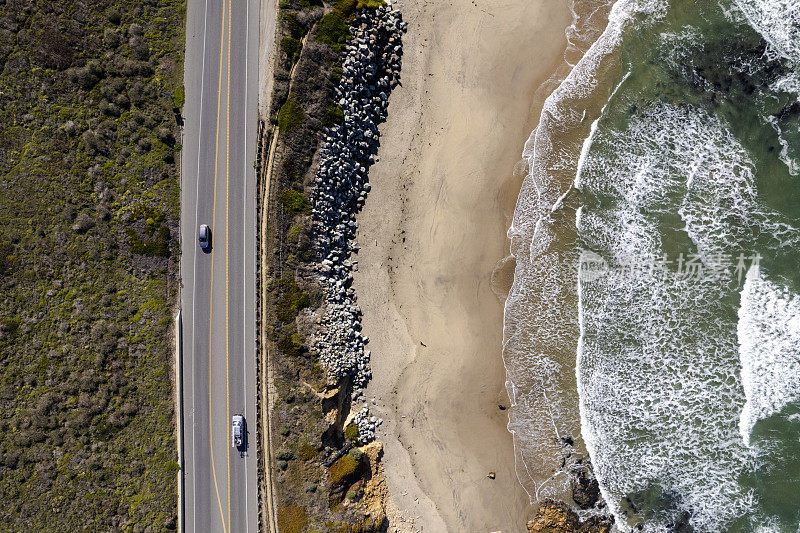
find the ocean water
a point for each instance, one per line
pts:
(654, 321)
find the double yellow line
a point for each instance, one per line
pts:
(213, 219)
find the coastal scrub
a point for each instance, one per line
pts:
(90, 99)
(333, 31)
(291, 114)
(292, 519)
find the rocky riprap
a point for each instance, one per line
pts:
(370, 71)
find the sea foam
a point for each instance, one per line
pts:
(663, 392)
(657, 369)
(540, 321)
(769, 349)
(778, 21)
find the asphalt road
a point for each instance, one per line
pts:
(218, 297)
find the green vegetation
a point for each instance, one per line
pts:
(292, 299)
(293, 25)
(159, 246)
(178, 98)
(333, 115)
(294, 233)
(308, 452)
(295, 202)
(88, 226)
(345, 7)
(290, 116)
(369, 524)
(370, 4)
(156, 232)
(292, 344)
(292, 519)
(344, 467)
(348, 7)
(351, 432)
(291, 47)
(356, 453)
(310, 4)
(333, 31)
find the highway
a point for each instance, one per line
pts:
(218, 301)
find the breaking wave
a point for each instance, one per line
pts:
(674, 367)
(769, 340)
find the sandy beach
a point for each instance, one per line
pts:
(431, 234)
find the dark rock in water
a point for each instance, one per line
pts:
(557, 517)
(585, 490)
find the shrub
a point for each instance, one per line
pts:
(336, 73)
(290, 116)
(158, 247)
(345, 7)
(308, 452)
(111, 38)
(114, 16)
(333, 115)
(6, 256)
(343, 467)
(351, 432)
(285, 455)
(370, 4)
(356, 454)
(290, 170)
(76, 101)
(292, 299)
(295, 202)
(308, 4)
(292, 519)
(296, 29)
(178, 98)
(291, 47)
(333, 31)
(88, 76)
(292, 235)
(292, 344)
(10, 325)
(83, 223)
(348, 7)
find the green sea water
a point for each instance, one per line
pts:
(658, 246)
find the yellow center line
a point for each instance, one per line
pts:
(227, 182)
(211, 298)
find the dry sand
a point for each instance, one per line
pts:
(431, 233)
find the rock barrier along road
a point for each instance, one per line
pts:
(218, 298)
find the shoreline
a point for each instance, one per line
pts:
(432, 232)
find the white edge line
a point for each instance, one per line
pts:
(244, 263)
(194, 278)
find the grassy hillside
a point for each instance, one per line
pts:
(89, 200)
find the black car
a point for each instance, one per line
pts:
(204, 237)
